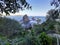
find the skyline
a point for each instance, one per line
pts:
(39, 8)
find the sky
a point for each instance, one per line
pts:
(39, 8)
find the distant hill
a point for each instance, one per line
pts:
(18, 18)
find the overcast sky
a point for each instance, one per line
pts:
(39, 8)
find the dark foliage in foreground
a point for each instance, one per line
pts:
(55, 3)
(12, 6)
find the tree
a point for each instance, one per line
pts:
(13, 6)
(55, 3)
(44, 39)
(9, 27)
(52, 14)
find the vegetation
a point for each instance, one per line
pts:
(52, 14)
(21, 37)
(44, 39)
(36, 36)
(55, 3)
(9, 26)
(12, 6)
(11, 32)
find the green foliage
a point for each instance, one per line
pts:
(13, 6)
(29, 39)
(50, 25)
(38, 29)
(54, 41)
(52, 14)
(45, 39)
(35, 36)
(9, 27)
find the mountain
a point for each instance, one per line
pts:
(18, 18)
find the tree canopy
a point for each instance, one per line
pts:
(52, 14)
(13, 6)
(55, 3)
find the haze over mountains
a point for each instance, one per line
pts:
(18, 18)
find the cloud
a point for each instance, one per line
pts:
(29, 13)
(33, 13)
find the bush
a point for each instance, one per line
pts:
(8, 26)
(11, 28)
(44, 39)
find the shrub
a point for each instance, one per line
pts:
(45, 39)
(8, 26)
